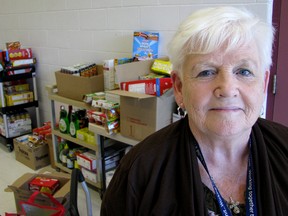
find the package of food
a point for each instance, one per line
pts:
(162, 67)
(43, 184)
(13, 45)
(155, 87)
(145, 45)
(18, 54)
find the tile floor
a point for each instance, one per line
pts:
(10, 170)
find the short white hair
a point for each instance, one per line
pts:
(211, 28)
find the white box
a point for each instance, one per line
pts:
(87, 160)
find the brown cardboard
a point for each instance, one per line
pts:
(74, 87)
(132, 71)
(21, 192)
(142, 114)
(35, 157)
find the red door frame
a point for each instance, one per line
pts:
(277, 106)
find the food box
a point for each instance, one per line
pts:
(145, 45)
(90, 175)
(44, 184)
(156, 86)
(87, 160)
(16, 88)
(16, 54)
(75, 87)
(20, 188)
(17, 98)
(34, 157)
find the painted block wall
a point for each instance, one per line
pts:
(67, 32)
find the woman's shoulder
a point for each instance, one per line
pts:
(275, 135)
(270, 128)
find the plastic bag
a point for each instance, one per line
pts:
(30, 208)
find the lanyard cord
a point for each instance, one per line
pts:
(251, 209)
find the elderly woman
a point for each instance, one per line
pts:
(221, 159)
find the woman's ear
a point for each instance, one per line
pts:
(177, 87)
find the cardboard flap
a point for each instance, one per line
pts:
(19, 182)
(131, 94)
(132, 71)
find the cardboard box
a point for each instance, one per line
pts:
(22, 193)
(75, 87)
(142, 114)
(35, 157)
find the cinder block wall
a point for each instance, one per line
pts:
(66, 32)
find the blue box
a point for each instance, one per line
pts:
(145, 45)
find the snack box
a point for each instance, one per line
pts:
(16, 54)
(44, 184)
(156, 86)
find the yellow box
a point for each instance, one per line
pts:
(19, 98)
(86, 135)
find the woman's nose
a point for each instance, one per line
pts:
(226, 85)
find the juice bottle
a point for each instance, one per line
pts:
(63, 122)
(74, 124)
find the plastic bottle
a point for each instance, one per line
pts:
(74, 124)
(63, 122)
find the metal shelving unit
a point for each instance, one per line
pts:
(100, 136)
(4, 77)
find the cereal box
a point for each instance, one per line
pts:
(145, 45)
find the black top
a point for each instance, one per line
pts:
(160, 175)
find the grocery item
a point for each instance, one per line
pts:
(63, 122)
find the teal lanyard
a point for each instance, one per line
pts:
(251, 208)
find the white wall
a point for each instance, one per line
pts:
(66, 32)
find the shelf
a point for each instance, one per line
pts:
(65, 169)
(65, 100)
(20, 106)
(75, 140)
(4, 77)
(102, 132)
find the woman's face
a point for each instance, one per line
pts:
(223, 93)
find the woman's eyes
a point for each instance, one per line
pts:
(209, 73)
(206, 73)
(244, 72)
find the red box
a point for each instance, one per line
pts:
(18, 54)
(48, 185)
(155, 87)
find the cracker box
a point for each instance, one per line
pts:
(155, 87)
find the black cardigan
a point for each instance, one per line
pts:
(160, 175)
